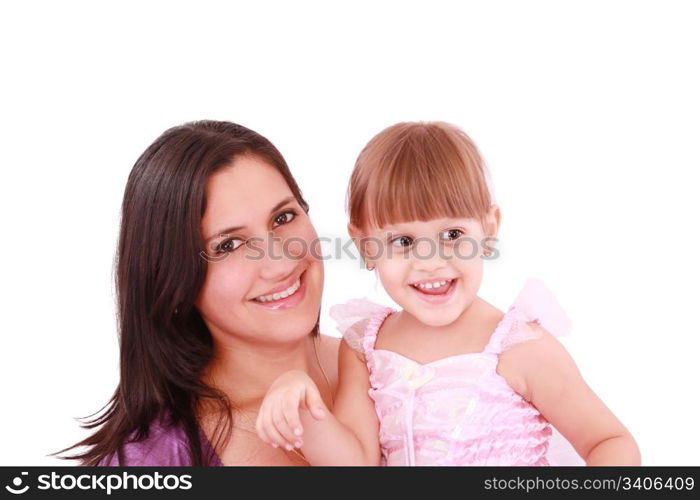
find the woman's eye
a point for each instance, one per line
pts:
(402, 241)
(451, 235)
(284, 218)
(227, 246)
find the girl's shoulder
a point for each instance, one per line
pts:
(358, 320)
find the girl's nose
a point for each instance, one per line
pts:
(426, 256)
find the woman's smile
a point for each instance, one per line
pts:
(285, 295)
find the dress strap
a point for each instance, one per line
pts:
(375, 321)
(534, 304)
(358, 320)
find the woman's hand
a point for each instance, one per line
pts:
(278, 421)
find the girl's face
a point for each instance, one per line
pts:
(264, 276)
(432, 269)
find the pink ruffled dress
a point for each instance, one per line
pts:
(458, 410)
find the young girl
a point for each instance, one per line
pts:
(449, 379)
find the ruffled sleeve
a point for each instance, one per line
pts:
(537, 304)
(352, 319)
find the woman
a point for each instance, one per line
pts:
(219, 280)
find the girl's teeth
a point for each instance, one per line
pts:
(280, 295)
(435, 287)
(436, 284)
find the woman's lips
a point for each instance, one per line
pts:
(284, 287)
(277, 302)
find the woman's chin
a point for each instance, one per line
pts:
(295, 316)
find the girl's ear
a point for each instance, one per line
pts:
(493, 221)
(354, 233)
(357, 238)
(364, 246)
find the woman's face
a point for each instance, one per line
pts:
(265, 274)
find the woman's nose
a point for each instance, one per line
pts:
(278, 258)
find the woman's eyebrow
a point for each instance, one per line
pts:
(238, 228)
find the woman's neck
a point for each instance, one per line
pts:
(244, 370)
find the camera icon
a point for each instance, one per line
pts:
(17, 483)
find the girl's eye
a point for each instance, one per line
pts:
(229, 245)
(402, 241)
(451, 235)
(284, 218)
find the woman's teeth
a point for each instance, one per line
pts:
(281, 295)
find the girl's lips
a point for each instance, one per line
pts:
(438, 295)
(286, 302)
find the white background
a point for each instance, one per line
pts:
(587, 113)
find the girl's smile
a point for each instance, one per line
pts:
(435, 291)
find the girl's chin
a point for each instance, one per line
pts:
(436, 319)
(433, 315)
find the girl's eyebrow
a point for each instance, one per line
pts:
(238, 228)
(392, 230)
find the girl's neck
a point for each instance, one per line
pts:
(469, 333)
(471, 318)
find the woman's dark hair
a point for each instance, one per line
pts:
(164, 343)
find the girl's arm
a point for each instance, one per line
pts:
(348, 436)
(543, 373)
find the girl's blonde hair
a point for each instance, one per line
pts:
(418, 171)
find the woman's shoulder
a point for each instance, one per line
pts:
(328, 352)
(165, 445)
(330, 342)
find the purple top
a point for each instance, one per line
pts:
(166, 445)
